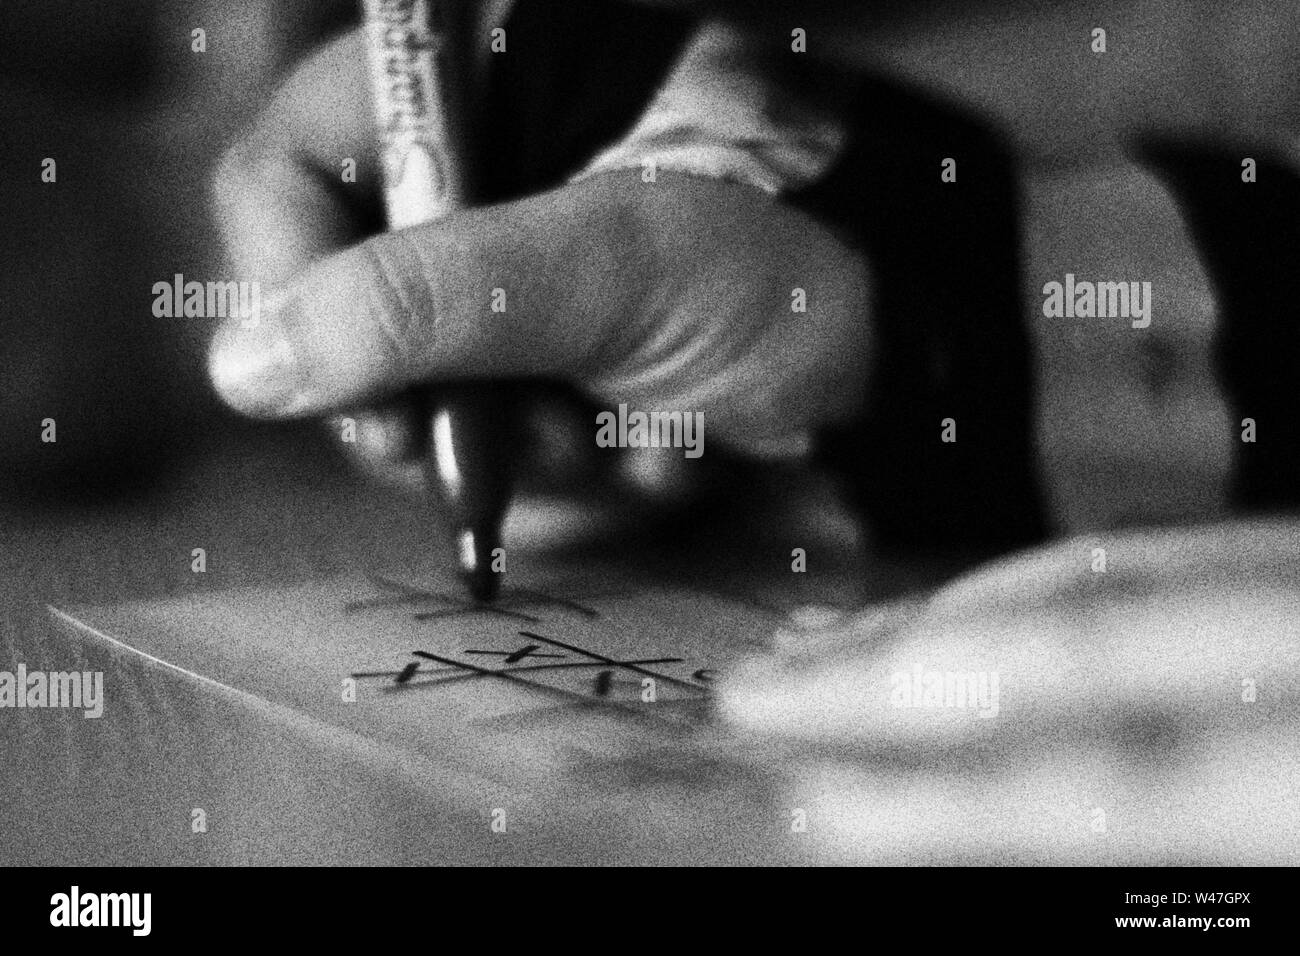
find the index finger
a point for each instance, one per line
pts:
(303, 181)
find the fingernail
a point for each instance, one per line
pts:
(256, 370)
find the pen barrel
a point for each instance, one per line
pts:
(413, 85)
(409, 46)
(470, 454)
(469, 474)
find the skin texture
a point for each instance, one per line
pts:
(670, 295)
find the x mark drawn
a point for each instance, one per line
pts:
(396, 593)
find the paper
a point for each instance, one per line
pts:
(383, 718)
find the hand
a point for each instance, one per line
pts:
(671, 295)
(1142, 714)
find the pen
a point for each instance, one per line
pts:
(468, 469)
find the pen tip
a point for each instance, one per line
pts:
(476, 558)
(483, 586)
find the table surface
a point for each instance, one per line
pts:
(277, 505)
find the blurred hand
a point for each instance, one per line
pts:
(1142, 714)
(671, 295)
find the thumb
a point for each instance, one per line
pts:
(521, 289)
